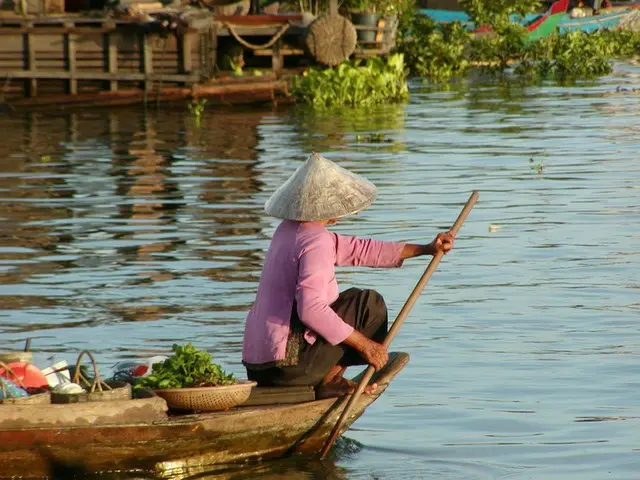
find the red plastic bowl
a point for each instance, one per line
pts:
(29, 375)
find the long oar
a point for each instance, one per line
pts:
(397, 324)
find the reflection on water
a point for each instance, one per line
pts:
(283, 469)
(123, 231)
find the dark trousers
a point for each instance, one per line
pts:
(364, 310)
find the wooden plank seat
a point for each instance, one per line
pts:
(280, 395)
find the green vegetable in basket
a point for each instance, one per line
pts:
(187, 367)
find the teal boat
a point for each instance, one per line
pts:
(556, 19)
(607, 19)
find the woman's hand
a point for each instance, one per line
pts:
(375, 354)
(443, 242)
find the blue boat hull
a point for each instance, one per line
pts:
(605, 20)
(608, 20)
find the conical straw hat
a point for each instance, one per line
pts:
(320, 190)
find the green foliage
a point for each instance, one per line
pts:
(573, 55)
(507, 41)
(498, 13)
(354, 83)
(187, 367)
(360, 5)
(196, 107)
(373, 138)
(439, 52)
(624, 43)
(432, 50)
(496, 52)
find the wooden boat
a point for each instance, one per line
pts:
(140, 435)
(540, 26)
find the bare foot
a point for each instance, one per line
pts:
(341, 386)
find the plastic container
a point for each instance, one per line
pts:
(57, 373)
(136, 368)
(29, 375)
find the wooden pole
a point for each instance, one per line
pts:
(397, 324)
(111, 51)
(184, 50)
(333, 7)
(70, 47)
(147, 60)
(30, 50)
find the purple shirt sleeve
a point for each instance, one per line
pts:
(315, 270)
(353, 251)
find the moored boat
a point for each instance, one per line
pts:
(607, 19)
(39, 440)
(540, 26)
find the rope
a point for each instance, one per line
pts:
(253, 46)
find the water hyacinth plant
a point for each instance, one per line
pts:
(354, 83)
(439, 52)
(432, 50)
(196, 107)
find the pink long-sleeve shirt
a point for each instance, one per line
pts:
(300, 265)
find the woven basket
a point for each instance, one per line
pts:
(17, 356)
(207, 399)
(41, 398)
(116, 391)
(99, 391)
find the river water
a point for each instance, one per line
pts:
(123, 231)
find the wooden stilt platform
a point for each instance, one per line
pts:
(77, 60)
(85, 59)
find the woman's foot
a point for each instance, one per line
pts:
(338, 386)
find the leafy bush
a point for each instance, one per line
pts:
(439, 52)
(354, 83)
(187, 367)
(433, 50)
(570, 56)
(498, 13)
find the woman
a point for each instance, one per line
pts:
(300, 331)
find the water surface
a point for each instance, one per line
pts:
(123, 231)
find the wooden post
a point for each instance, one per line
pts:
(333, 7)
(277, 60)
(185, 49)
(70, 50)
(147, 61)
(30, 64)
(111, 51)
(213, 51)
(381, 30)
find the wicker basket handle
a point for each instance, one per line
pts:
(97, 381)
(3, 386)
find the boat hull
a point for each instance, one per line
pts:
(180, 444)
(606, 20)
(561, 23)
